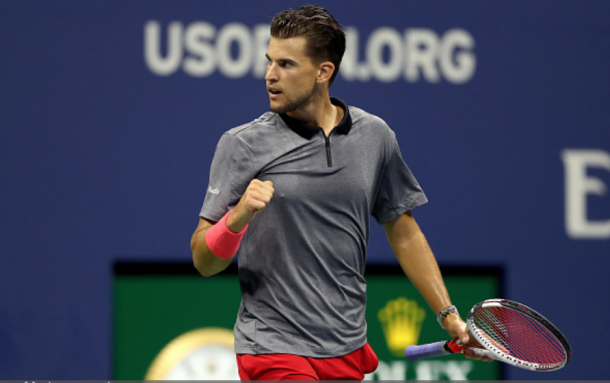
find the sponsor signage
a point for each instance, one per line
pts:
(201, 49)
(172, 324)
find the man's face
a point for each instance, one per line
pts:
(291, 74)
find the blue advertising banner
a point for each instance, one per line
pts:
(110, 112)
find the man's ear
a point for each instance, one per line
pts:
(325, 71)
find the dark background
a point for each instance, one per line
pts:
(101, 160)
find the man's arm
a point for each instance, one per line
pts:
(256, 197)
(416, 259)
(206, 262)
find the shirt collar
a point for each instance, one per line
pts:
(308, 131)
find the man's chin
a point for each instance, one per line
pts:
(279, 109)
(288, 106)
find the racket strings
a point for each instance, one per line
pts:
(520, 336)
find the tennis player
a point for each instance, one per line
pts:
(292, 193)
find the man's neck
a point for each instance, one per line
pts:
(320, 112)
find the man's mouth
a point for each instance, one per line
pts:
(274, 92)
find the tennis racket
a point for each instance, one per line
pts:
(509, 332)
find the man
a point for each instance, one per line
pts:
(294, 191)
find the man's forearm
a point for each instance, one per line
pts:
(206, 262)
(417, 260)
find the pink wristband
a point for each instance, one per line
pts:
(222, 241)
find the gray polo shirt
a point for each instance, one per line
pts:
(301, 261)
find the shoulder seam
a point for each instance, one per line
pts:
(262, 119)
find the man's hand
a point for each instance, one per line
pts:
(456, 328)
(256, 197)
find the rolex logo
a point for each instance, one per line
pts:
(401, 320)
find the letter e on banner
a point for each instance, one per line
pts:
(578, 185)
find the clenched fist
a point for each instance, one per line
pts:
(254, 200)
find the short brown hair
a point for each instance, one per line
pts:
(325, 37)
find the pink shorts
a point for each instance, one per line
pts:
(352, 366)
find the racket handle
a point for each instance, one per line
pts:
(430, 350)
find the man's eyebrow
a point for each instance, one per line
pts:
(281, 60)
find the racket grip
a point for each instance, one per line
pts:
(430, 350)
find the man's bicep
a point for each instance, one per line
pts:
(401, 228)
(205, 261)
(230, 173)
(202, 228)
(398, 190)
(204, 224)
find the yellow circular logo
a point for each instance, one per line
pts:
(201, 354)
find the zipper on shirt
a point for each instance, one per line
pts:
(329, 157)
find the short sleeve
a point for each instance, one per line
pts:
(230, 174)
(398, 191)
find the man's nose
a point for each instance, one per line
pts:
(271, 74)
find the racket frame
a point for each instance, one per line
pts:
(500, 355)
